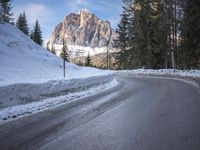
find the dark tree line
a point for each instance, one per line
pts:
(52, 49)
(159, 34)
(190, 43)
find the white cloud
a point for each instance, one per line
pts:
(34, 11)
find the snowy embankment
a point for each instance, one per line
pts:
(32, 76)
(14, 112)
(189, 75)
(163, 72)
(23, 61)
(26, 93)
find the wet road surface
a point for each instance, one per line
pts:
(138, 114)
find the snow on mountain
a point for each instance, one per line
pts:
(23, 61)
(84, 32)
(79, 51)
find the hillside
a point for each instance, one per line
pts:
(23, 61)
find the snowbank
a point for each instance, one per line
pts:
(18, 111)
(23, 61)
(189, 76)
(163, 72)
(25, 93)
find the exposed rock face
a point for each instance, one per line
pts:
(83, 29)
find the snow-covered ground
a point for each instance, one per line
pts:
(163, 72)
(80, 51)
(23, 61)
(18, 111)
(26, 93)
(188, 76)
(31, 77)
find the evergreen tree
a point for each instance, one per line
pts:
(22, 24)
(88, 60)
(64, 53)
(122, 41)
(80, 63)
(47, 47)
(36, 33)
(191, 35)
(5, 11)
(149, 35)
(132, 51)
(53, 49)
(158, 34)
(143, 23)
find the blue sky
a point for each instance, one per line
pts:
(52, 12)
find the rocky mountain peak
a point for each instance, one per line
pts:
(83, 29)
(84, 11)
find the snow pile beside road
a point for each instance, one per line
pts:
(26, 93)
(163, 72)
(15, 112)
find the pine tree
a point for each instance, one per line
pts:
(132, 51)
(191, 35)
(64, 53)
(122, 41)
(36, 33)
(152, 33)
(53, 49)
(47, 47)
(159, 34)
(143, 24)
(5, 11)
(80, 63)
(22, 24)
(88, 60)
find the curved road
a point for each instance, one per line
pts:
(138, 114)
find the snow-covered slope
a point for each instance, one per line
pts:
(23, 61)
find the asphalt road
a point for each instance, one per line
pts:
(139, 114)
